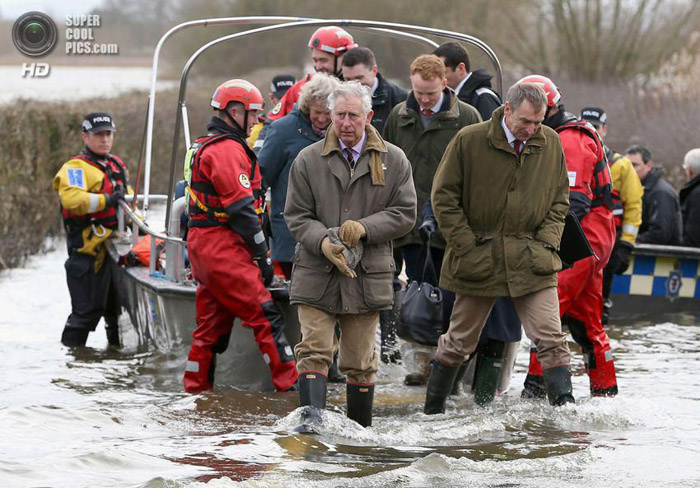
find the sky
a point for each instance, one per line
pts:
(57, 10)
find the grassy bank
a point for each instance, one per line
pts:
(37, 138)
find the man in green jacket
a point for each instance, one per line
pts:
(423, 126)
(500, 196)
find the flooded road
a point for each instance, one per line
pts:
(120, 419)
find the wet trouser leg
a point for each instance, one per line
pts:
(211, 336)
(581, 302)
(88, 292)
(232, 281)
(113, 308)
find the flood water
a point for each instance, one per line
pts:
(120, 419)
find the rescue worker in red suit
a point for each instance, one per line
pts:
(581, 286)
(226, 244)
(328, 45)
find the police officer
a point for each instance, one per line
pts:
(226, 244)
(89, 185)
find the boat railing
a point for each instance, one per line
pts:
(679, 252)
(174, 246)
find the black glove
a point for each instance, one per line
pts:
(623, 250)
(266, 269)
(113, 199)
(428, 229)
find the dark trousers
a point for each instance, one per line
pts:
(93, 295)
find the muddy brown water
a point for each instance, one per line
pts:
(98, 418)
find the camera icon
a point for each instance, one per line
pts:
(34, 34)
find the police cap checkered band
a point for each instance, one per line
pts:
(594, 115)
(98, 122)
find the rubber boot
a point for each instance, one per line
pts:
(199, 370)
(440, 383)
(74, 337)
(557, 382)
(334, 374)
(458, 379)
(534, 382)
(113, 339)
(359, 401)
(312, 399)
(601, 372)
(489, 366)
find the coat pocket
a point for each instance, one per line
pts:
(543, 261)
(476, 264)
(377, 280)
(311, 277)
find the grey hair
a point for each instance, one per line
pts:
(352, 89)
(531, 92)
(316, 90)
(692, 160)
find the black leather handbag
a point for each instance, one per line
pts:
(421, 318)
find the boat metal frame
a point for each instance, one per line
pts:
(174, 246)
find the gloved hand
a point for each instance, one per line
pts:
(113, 199)
(351, 232)
(624, 250)
(267, 270)
(334, 253)
(427, 229)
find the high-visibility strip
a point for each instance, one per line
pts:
(192, 366)
(204, 208)
(93, 202)
(630, 229)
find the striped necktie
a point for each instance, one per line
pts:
(348, 155)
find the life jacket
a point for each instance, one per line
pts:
(114, 171)
(203, 204)
(600, 190)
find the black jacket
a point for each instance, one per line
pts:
(661, 211)
(478, 93)
(385, 97)
(690, 207)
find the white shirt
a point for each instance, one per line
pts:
(461, 83)
(436, 108)
(356, 149)
(376, 85)
(509, 134)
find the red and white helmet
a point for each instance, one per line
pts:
(332, 39)
(553, 93)
(240, 91)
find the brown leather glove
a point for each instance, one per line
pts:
(351, 232)
(334, 253)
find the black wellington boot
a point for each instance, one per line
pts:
(360, 399)
(74, 337)
(440, 383)
(312, 397)
(557, 382)
(113, 336)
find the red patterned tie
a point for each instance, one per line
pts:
(426, 112)
(348, 156)
(518, 146)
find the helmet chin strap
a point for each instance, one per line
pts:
(236, 124)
